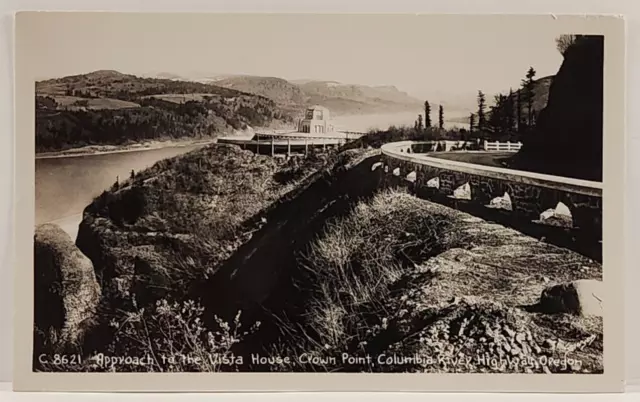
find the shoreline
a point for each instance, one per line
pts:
(115, 149)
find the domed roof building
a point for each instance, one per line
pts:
(317, 119)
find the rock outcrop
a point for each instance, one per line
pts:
(582, 297)
(66, 290)
(568, 136)
(168, 231)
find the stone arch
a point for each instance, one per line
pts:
(463, 192)
(502, 202)
(558, 211)
(434, 182)
(562, 209)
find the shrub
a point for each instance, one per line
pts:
(352, 271)
(168, 337)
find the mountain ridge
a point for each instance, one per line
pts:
(296, 95)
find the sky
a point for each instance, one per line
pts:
(441, 57)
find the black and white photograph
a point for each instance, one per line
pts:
(317, 194)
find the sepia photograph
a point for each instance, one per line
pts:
(317, 194)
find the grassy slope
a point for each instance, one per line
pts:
(179, 219)
(72, 102)
(403, 275)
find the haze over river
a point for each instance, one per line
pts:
(66, 185)
(366, 122)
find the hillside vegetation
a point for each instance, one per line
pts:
(110, 108)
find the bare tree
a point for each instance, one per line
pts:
(564, 42)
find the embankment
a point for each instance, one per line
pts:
(325, 262)
(403, 284)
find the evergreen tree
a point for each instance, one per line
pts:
(472, 122)
(427, 114)
(441, 117)
(511, 123)
(481, 110)
(419, 122)
(527, 91)
(519, 111)
(496, 115)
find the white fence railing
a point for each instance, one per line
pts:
(502, 146)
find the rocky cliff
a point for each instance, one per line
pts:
(569, 134)
(66, 290)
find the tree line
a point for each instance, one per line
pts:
(511, 114)
(60, 128)
(426, 124)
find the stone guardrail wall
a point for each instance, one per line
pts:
(528, 194)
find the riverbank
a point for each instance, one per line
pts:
(113, 149)
(64, 186)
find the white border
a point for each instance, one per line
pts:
(629, 7)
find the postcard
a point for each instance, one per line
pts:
(307, 202)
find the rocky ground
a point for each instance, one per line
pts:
(490, 300)
(376, 272)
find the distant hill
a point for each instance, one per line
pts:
(540, 93)
(354, 99)
(111, 108)
(109, 83)
(276, 89)
(341, 99)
